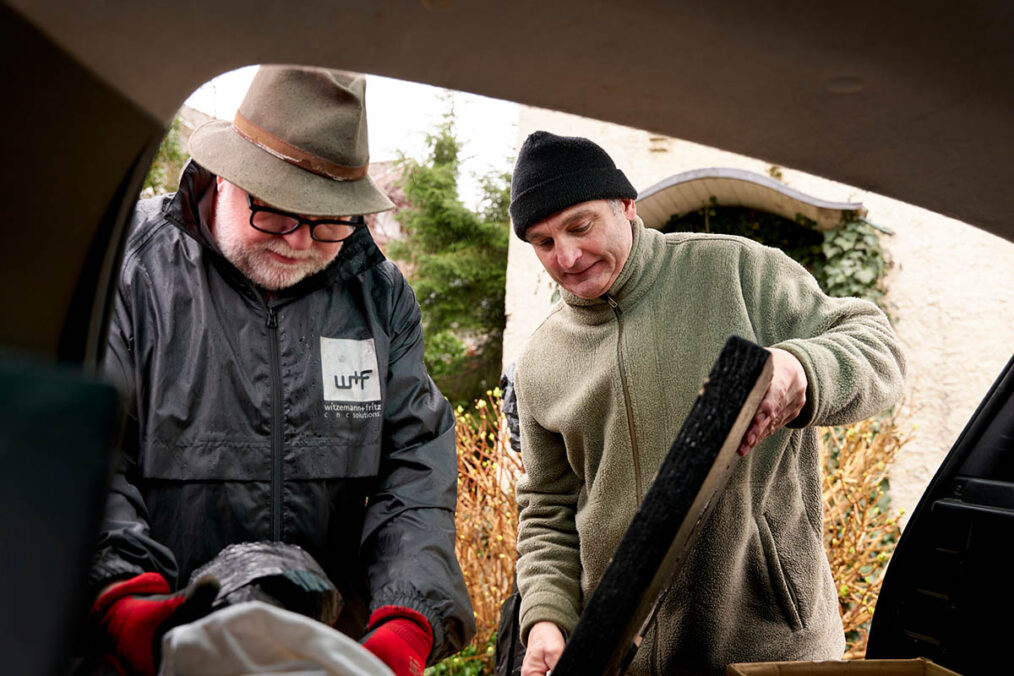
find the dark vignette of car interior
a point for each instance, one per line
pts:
(91, 90)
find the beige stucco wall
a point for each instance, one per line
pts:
(952, 287)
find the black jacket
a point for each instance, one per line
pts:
(306, 417)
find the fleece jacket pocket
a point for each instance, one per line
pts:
(781, 584)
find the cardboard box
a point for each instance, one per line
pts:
(914, 667)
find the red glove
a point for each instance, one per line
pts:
(133, 615)
(401, 638)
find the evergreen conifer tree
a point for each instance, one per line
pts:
(456, 261)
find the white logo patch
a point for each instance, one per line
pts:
(349, 370)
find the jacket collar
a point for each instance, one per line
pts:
(636, 276)
(188, 208)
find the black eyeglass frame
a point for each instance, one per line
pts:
(356, 224)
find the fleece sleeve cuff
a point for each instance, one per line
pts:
(547, 607)
(806, 415)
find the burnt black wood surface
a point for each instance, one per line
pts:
(668, 521)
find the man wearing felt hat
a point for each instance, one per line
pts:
(607, 380)
(272, 362)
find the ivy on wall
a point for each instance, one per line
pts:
(847, 260)
(854, 264)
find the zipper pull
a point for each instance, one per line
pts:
(272, 319)
(612, 303)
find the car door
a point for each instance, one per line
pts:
(72, 161)
(947, 593)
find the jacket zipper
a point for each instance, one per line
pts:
(276, 427)
(626, 392)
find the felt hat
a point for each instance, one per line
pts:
(554, 172)
(298, 142)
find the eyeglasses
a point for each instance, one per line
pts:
(277, 222)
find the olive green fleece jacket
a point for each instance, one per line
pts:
(757, 586)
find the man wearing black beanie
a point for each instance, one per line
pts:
(605, 382)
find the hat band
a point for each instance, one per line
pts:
(298, 157)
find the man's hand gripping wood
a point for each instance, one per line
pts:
(782, 402)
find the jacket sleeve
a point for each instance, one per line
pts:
(125, 547)
(549, 558)
(854, 365)
(409, 534)
(509, 406)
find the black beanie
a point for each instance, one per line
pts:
(555, 172)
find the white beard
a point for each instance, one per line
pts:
(260, 267)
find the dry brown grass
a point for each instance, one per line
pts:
(486, 518)
(859, 532)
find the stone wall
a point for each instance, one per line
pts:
(951, 288)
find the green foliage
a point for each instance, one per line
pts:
(466, 663)
(854, 263)
(446, 354)
(457, 265)
(847, 260)
(163, 176)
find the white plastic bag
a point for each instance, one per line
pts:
(258, 638)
